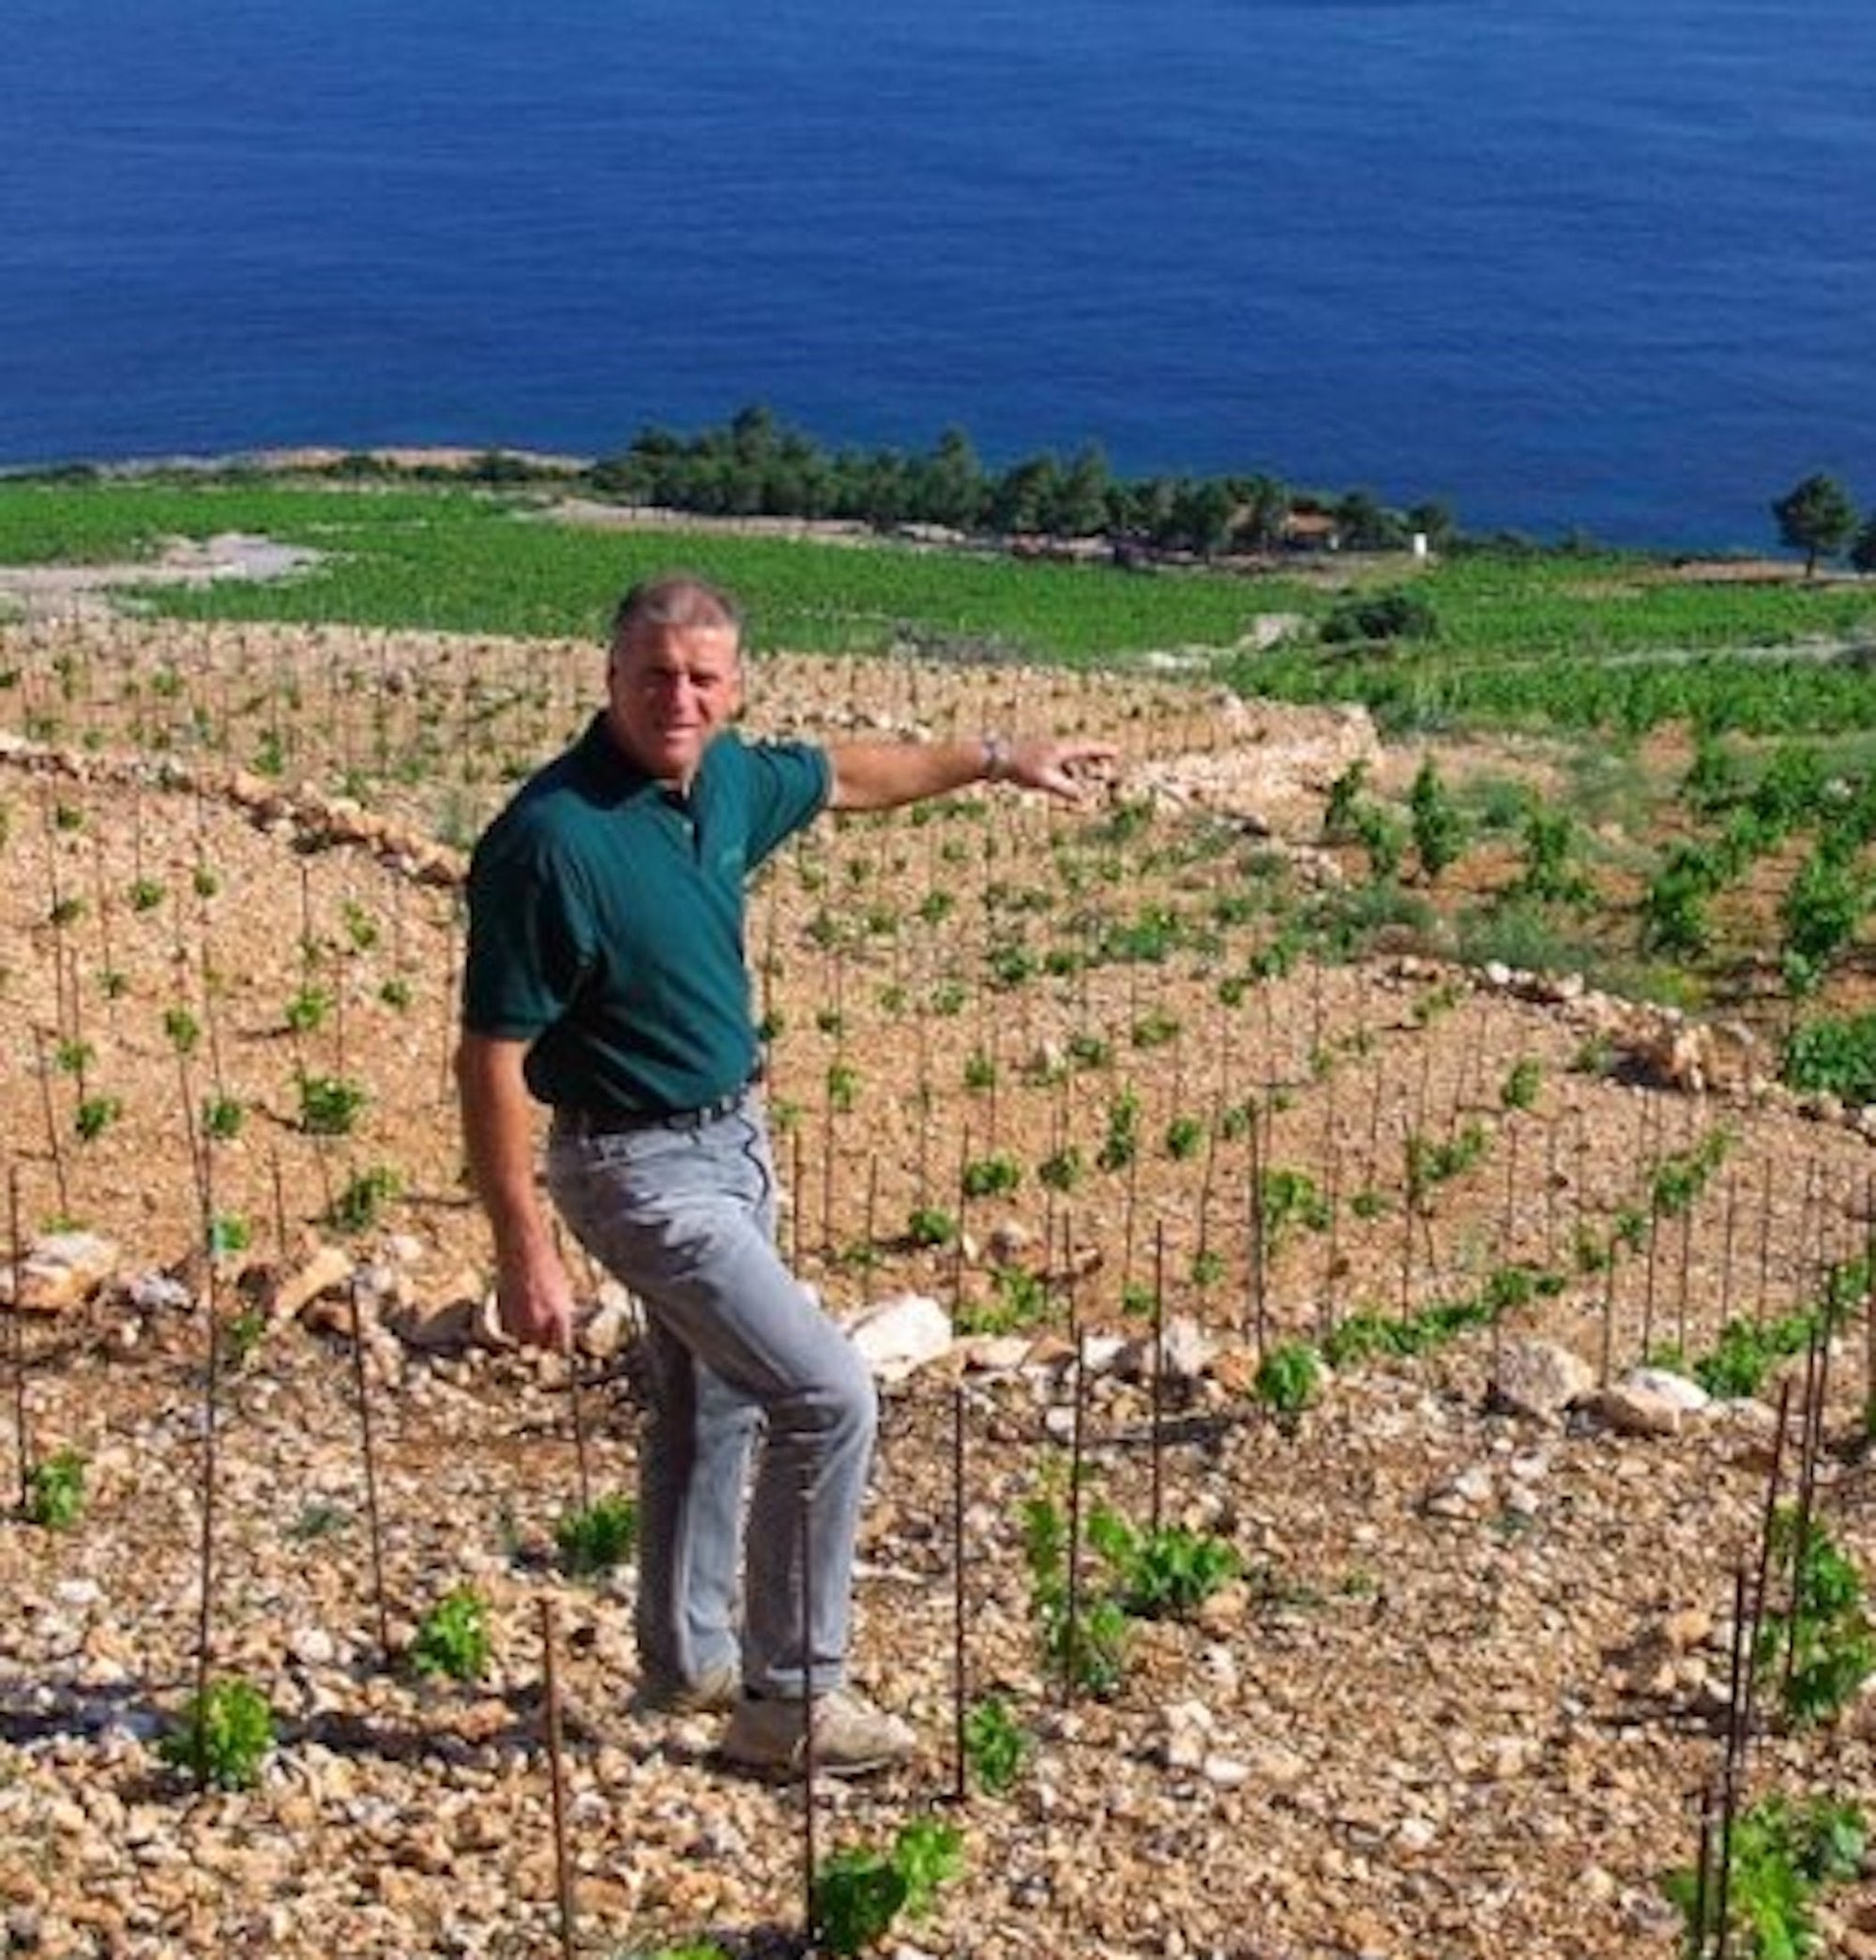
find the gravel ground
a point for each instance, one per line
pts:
(1461, 1701)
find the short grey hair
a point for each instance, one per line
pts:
(674, 599)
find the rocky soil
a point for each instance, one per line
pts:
(1468, 1687)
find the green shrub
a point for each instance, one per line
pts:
(995, 1746)
(1550, 874)
(1834, 1056)
(307, 1011)
(1439, 829)
(96, 1115)
(993, 1177)
(1432, 1161)
(1344, 799)
(222, 1117)
(1022, 1301)
(1674, 919)
(930, 1226)
(55, 1490)
(361, 1204)
(1089, 1647)
(1381, 837)
(1396, 613)
(1285, 1199)
(1163, 1574)
(1781, 1855)
(222, 1737)
(1522, 1084)
(1121, 1144)
(1289, 1377)
(1747, 1351)
(1824, 1633)
(598, 1538)
(858, 1892)
(1821, 910)
(452, 1638)
(328, 1106)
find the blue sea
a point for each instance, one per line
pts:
(1594, 265)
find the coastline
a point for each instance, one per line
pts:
(323, 459)
(498, 466)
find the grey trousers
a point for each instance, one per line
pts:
(742, 1363)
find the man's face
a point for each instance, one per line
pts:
(669, 690)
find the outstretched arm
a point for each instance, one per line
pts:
(882, 775)
(531, 1285)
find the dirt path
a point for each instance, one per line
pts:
(94, 591)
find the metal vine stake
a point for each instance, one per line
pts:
(1653, 1239)
(101, 904)
(1130, 1212)
(1764, 1240)
(1552, 1175)
(1370, 1169)
(55, 1145)
(1409, 1205)
(1869, 1305)
(960, 1599)
(17, 1318)
(1713, 1876)
(1810, 1441)
(575, 1401)
(1207, 1180)
(962, 1214)
(1071, 1278)
(831, 1113)
(562, 1864)
(362, 1393)
(809, 1856)
(1072, 1642)
(452, 954)
(1507, 1235)
(1156, 1449)
(1326, 1316)
(276, 1181)
(1683, 1277)
(1745, 1617)
(1254, 1211)
(1606, 1360)
(211, 1394)
(922, 1093)
(1763, 1578)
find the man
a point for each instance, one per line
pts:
(606, 978)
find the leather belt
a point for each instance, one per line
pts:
(623, 1122)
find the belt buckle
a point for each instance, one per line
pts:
(714, 1111)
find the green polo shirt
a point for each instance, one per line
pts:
(606, 920)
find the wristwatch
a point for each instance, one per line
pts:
(996, 758)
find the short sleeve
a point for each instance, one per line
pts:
(788, 785)
(531, 939)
